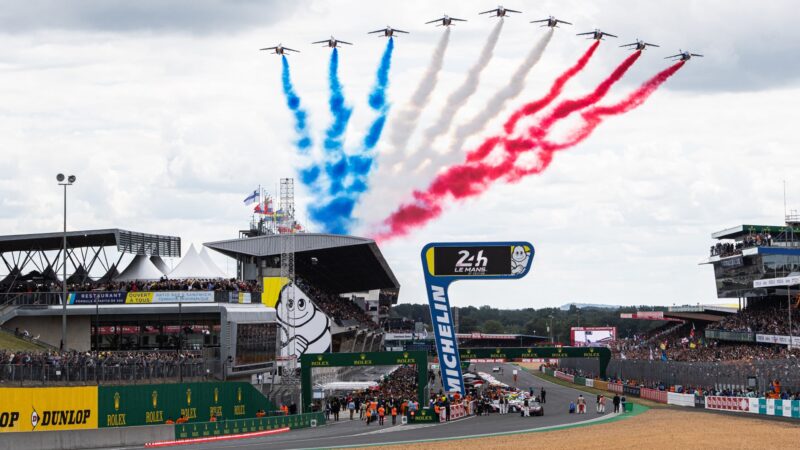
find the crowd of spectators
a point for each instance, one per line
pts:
(164, 284)
(341, 310)
(733, 248)
(22, 365)
(761, 319)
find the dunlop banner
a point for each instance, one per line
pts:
(150, 404)
(48, 409)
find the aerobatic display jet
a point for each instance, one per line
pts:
(596, 34)
(639, 45)
(280, 49)
(551, 22)
(388, 31)
(446, 21)
(683, 56)
(332, 42)
(500, 11)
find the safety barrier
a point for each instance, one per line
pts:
(673, 398)
(241, 426)
(615, 387)
(654, 395)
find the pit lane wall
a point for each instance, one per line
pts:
(250, 425)
(35, 409)
(761, 406)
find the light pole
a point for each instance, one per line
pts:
(64, 181)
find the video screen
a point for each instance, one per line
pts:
(255, 343)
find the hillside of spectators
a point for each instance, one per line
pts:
(759, 318)
(164, 284)
(341, 310)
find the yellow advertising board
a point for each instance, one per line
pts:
(272, 290)
(48, 409)
(139, 297)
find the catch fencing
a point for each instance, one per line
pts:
(704, 374)
(42, 373)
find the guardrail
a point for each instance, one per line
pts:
(43, 299)
(251, 425)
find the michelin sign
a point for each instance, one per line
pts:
(444, 263)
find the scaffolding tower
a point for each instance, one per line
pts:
(287, 229)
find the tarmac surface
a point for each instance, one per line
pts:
(357, 433)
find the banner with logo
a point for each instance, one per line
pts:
(673, 398)
(775, 339)
(48, 409)
(151, 404)
(739, 404)
(170, 297)
(654, 394)
(444, 263)
(91, 298)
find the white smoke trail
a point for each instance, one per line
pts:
(460, 96)
(490, 110)
(405, 122)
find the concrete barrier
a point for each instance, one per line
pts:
(87, 439)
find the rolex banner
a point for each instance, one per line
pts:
(151, 404)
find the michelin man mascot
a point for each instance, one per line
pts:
(304, 328)
(520, 258)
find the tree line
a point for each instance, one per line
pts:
(536, 322)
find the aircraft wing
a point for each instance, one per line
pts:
(609, 34)
(291, 49)
(489, 11)
(513, 10)
(400, 31)
(383, 30)
(564, 22)
(343, 42)
(435, 20)
(540, 21)
(695, 54)
(268, 48)
(674, 56)
(322, 42)
(585, 34)
(651, 45)
(460, 20)
(628, 45)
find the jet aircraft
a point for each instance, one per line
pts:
(639, 45)
(596, 34)
(280, 49)
(332, 42)
(388, 31)
(446, 21)
(551, 22)
(500, 12)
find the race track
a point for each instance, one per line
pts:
(355, 433)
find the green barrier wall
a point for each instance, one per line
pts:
(238, 426)
(151, 404)
(580, 381)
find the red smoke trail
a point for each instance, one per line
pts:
(467, 180)
(592, 118)
(534, 107)
(567, 107)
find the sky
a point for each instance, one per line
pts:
(169, 116)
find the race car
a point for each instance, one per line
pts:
(536, 409)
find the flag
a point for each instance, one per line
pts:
(691, 333)
(258, 209)
(252, 198)
(268, 206)
(651, 353)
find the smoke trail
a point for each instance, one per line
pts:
(499, 100)
(593, 117)
(460, 96)
(405, 122)
(467, 180)
(303, 142)
(555, 90)
(335, 215)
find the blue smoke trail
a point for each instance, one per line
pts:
(349, 174)
(303, 142)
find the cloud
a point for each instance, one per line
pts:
(191, 16)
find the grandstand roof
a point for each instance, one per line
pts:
(335, 263)
(125, 241)
(742, 230)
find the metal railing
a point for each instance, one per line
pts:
(737, 336)
(42, 373)
(8, 299)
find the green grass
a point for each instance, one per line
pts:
(10, 342)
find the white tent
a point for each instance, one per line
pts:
(160, 264)
(192, 266)
(212, 267)
(140, 268)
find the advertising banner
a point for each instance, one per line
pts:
(91, 298)
(775, 339)
(600, 384)
(444, 263)
(221, 428)
(615, 387)
(654, 394)
(589, 382)
(592, 336)
(673, 398)
(563, 376)
(699, 402)
(48, 409)
(170, 297)
(631, 390)
(740, 404)
(398, 336)
(152, 404)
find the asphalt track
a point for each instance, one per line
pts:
(355, 433)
